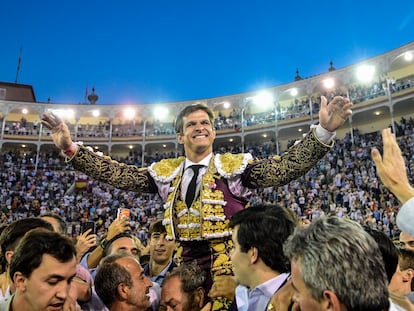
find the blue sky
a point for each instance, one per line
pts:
(136, 51)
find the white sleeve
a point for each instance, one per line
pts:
(405, 217)
(324, 135)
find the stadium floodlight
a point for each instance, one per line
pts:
(129, 113)
(365, 73)
(293, 92)
(160, 112)
(70, 113)
(224, 104)
(328, 83)
(263, 98)
(65, 114)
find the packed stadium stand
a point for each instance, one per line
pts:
(34, 178)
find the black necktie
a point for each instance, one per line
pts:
(189, 198)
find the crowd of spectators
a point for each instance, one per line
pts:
(301, 107)
(344, 183)
(298, 107)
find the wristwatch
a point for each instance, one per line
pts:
(103, 243)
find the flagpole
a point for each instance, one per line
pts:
(18, 65)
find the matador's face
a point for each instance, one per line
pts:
(198, 133)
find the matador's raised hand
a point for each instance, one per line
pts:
(60, 131)
(333, 114)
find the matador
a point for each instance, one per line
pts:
(223, 186)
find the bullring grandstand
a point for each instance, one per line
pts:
(381, 89)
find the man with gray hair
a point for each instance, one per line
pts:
(336, 265)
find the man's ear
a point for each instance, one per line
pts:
(407, 275)
(199, 297)
(330, 301)
(122, 291)
(253, 252)
(9, 255)
(180, 138)
(20, 281)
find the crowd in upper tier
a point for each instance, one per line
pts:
(299, 107)
(343, 183)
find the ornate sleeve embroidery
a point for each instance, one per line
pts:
(119, 175)
(280, 170)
